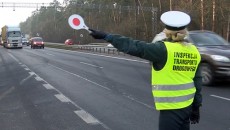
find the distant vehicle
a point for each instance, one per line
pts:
(27, 36)
(25, 41)
(69, 42)
(11, 37)
(215, 54)
(36, 42)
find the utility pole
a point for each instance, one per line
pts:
(136, 13)
(202, 14)
(170, 4)
(154, 21)
(228, 29)
(213, 14)
(55, 9)
(160, 6)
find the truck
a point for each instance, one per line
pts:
(11, 37)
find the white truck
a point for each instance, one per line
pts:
(11, 37)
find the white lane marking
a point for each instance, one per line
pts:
(120, 58)
(87, 117)
(38, 78)
(27, 69)
(228, 99)
(62, 98)
(31, 73)
(24, 80)
(80, 77)
(22, 65)
(91, 65)
(48, 86)
(14, 58)
(146, 105)
(102, 67)
(6, 92)
(50, 54)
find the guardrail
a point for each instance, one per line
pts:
(94, 48)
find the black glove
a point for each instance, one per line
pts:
(195, 116)
(97, 34)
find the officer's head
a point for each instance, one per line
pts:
(175, 25)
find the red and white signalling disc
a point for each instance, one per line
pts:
(77, 22)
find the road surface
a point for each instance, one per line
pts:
(52, 89)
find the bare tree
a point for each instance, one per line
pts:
(202, 14)
(213, 14)
(160, 6)
(170, 4)
(228, 29)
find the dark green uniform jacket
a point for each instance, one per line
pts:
(156, 53)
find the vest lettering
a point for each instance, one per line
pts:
(185, 55)
(185, 62)
(184, 68)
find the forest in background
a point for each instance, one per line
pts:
(139, 19)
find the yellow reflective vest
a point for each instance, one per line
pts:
(173, 86)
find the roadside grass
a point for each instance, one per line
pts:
(61, 46)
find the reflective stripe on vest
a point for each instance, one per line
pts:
(175, 99)
(173, 87)
(173, 96)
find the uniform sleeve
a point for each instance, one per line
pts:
(153, 52)
(198, 84)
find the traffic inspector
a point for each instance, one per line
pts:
(176, 85)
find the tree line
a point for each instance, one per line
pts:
(139, 19)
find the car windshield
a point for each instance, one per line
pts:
(38, 39)
(24, 39)
(14, 34)
(207, 39)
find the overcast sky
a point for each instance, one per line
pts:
(10, 17)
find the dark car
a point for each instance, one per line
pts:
(68, 42)
(215, 54)
(25, 41)
(36, 42)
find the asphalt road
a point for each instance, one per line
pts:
(50, 89)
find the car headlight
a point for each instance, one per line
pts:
(220, 58)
